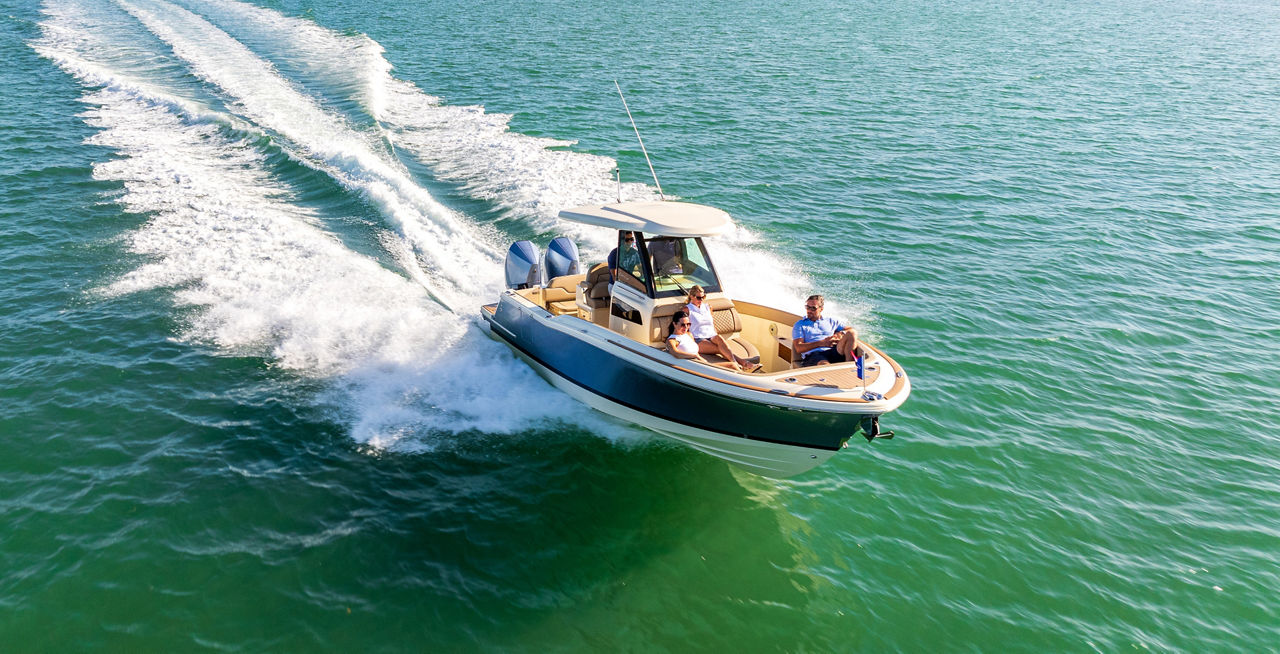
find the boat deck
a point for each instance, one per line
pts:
(779, 375)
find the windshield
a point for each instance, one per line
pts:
(678, 264)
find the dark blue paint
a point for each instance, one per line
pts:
(620, 380)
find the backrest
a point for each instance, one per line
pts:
(662, 321)
(598, 282)
(562, 288)
(565, 282)
(723, 314)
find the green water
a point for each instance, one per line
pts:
(244, 405)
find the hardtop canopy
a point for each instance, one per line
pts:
(657, 218)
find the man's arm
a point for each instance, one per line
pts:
(800, 346)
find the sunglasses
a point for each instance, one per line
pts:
(684, 324)
(699, 297)
(810, 307)
(629, 240)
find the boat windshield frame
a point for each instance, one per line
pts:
(680, 256)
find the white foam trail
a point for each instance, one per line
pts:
(459, 258)
(521, 174)
(462, 144)
(262, 279)
(265, 279)
(343, 60)
(74, 37)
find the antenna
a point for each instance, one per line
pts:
(637, 130)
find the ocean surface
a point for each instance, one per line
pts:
(246, 405)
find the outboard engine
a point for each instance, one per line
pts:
(522, 266)
(561, 258)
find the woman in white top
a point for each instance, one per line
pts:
(704, 329)
(681, 343)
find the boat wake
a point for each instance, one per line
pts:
(224, 118)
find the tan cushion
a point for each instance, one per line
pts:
(556, 295)
(727, 321)
(661, 320)
(595, 287)
(565, 282)
(598, 273)
(562, 307)
(723, 316)
(599, 290)
(561, 288)
(743, 348)
(596, 298)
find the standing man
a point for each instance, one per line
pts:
(629, 260)
(819, 340)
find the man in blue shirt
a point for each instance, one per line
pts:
(630, 260)
(819, 340)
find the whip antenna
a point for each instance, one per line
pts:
(642, 149)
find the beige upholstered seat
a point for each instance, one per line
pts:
(595, 288)
(658, 327)
(559, 296)
(726, 318)
(593, 295)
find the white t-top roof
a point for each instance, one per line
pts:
(662, 218)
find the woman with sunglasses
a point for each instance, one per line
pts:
(680, 343)
(704, 329)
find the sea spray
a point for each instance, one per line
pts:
(457, 255)
(374, 338)
(264, 279)
(529, 178)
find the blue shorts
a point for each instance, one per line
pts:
(826, 354)
(699, 340)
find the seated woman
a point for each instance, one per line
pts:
(681, 344)
(704, 329)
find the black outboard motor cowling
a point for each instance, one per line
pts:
(522, 266)
(561, 258)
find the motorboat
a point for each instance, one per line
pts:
(603, 341)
